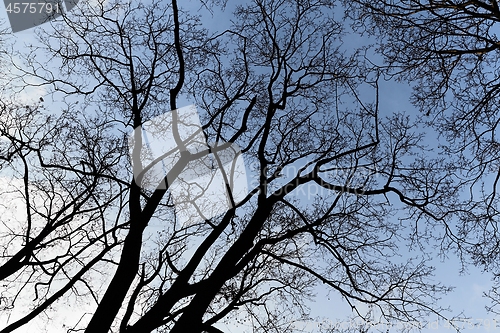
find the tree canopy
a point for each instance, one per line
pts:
(449, 52)
(338, 188)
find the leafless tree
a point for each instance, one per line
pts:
(449, 51)
(340, 186)
(57, 183)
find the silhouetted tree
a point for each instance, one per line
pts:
(340, 187)
(449, 51)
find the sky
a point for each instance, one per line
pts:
(467, 298)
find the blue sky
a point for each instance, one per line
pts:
(467, 298)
